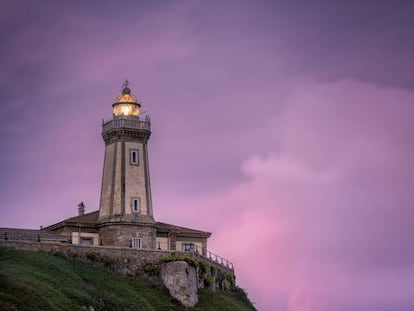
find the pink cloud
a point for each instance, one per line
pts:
(306, 186)
(315, 224)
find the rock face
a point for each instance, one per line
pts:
(181, 280)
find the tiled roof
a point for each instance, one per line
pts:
(161, 226)
(91, 218)
(30, 234)
(88, 219)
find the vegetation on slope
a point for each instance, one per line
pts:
(38, 281)
(235, 299)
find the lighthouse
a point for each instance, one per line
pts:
(125, 216)
(125, 211)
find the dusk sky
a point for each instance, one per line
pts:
(284, 128)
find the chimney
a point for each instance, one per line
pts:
(81, 209)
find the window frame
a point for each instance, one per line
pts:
(136, 243)
(187, 246)
(133, 161)
(85, 241)
(138, 205)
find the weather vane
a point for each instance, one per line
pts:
(125, 85)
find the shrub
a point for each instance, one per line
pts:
(202, 269)
(221, 279)
(108, 261)
(202, 266)
(151, 268)
(213, 270)
(220, 276)
(241, 295)
(138, 272)
(225, 286)
(178, 257)
(57, 253)
(208, 280)
(231, 279)
(91, 256)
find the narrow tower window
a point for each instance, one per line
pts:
(135, 205)
(134, 157)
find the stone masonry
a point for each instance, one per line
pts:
(180, 278)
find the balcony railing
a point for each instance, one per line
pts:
(131, 123)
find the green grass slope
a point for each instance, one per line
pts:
(38, 281)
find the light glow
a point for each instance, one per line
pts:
(126, 110)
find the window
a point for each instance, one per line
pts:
(135, 205)
(187, 246)
(134, 157)
(86, 241)
(136, 243)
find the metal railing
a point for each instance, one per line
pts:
(135, 123)
(212, 257)
(198, 251)
(220, 260)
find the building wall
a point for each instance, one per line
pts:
(77, 236)
(197, 245)
(200, 244)
(69, 230)
(162, 243)
(175, 242)
(121, 234)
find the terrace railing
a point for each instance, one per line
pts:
(220, 260)
(197, 251)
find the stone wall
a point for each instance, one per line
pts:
(121, 234)
(181, 279)
(128, 259)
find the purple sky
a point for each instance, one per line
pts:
(284, 128)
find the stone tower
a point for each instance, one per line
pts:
(125, 211)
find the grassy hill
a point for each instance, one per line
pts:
(38, 281)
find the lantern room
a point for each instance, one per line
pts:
(126, 104)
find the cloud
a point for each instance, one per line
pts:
(306, 186)
(325, 221)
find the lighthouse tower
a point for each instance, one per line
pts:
(125, 211)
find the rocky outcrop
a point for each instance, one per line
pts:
(181, 280)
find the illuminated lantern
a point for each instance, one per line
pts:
(126, 104)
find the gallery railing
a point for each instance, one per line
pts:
(127, 122)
